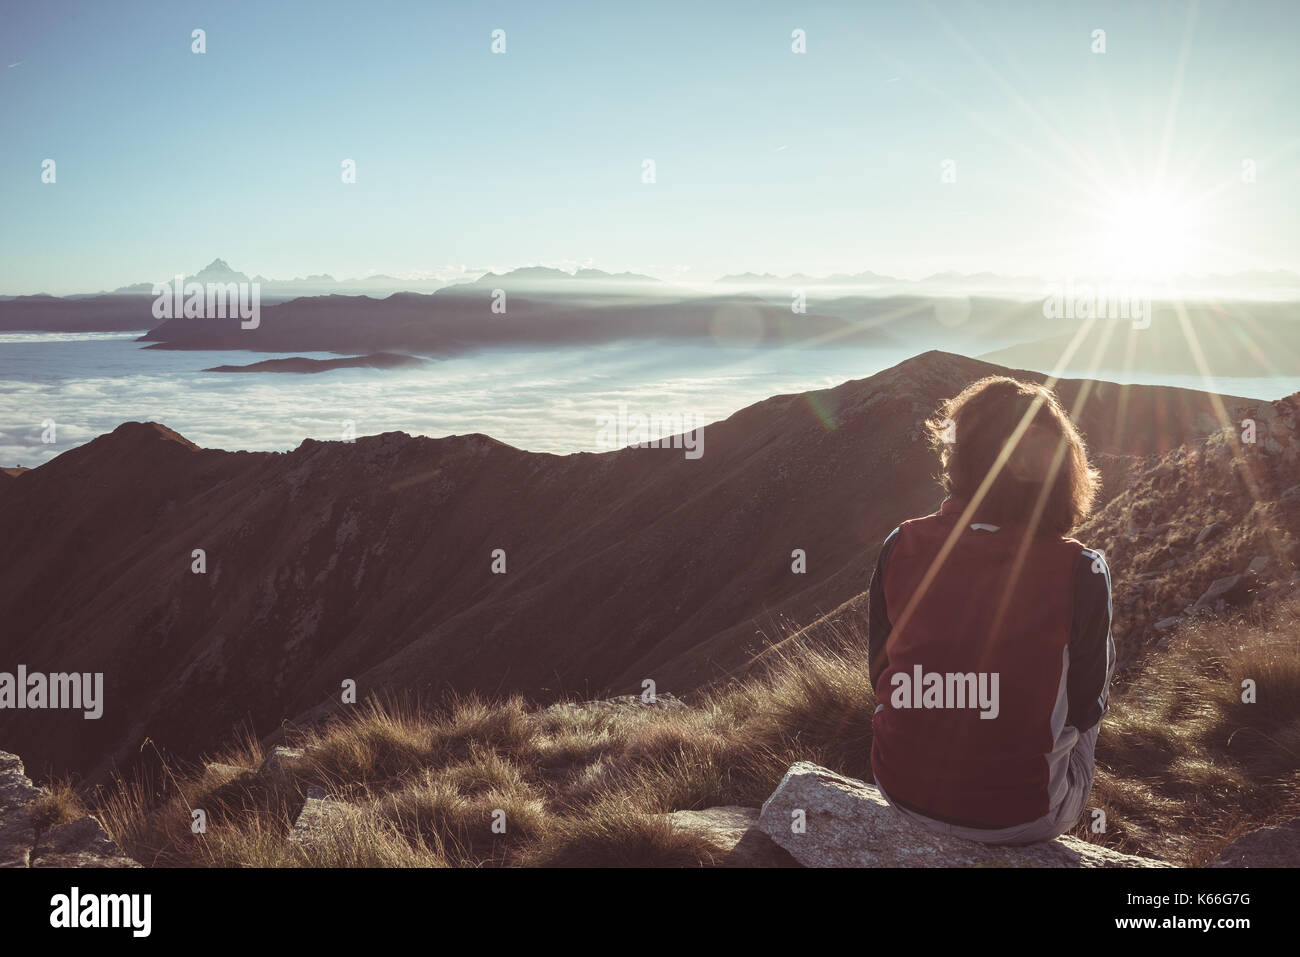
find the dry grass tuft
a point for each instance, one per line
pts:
(59, 804)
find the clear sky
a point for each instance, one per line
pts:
(1065, 160)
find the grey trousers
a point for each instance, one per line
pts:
(1054, 823)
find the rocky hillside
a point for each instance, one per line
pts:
(373, 560)
(1210, 526)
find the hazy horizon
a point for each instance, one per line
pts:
(1237, 283)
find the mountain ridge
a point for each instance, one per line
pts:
(372, 560)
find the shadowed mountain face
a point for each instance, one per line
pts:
(373, 560)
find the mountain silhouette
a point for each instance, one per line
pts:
(218, 271)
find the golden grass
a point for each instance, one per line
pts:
(1184, 765)
(58, 804)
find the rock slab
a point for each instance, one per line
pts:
(734, 831)
(848, 823)
(17, 832)
(279, 765)
(319, 812)
(79, 843)
(1277, 846)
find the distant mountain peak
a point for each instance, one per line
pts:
(866, 277)
(532, 272)
(549, 274)
(219, 271)
(619, 276)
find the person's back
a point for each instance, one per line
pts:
(990, 639)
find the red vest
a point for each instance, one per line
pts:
(946, 761)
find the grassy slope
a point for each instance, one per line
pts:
(1184, 765)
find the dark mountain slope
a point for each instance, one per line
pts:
(372, 560)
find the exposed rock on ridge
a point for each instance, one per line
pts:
(79, 843)
(847, 823)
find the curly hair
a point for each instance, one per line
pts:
(1045, 471)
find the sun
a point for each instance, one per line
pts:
(1146, 235)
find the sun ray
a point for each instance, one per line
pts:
(1176, 95)
(1053, 135)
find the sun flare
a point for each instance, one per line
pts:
(1148, 235)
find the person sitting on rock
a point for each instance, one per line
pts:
(989, 628)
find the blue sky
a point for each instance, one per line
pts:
(1066, 160)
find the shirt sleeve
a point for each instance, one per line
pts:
(878, 624)
(1092, 648)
